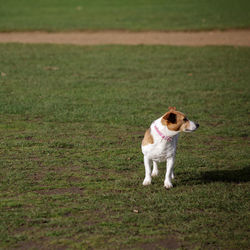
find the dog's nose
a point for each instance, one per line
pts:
(197, 125)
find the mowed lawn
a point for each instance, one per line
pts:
(71, 169)
(60, 15)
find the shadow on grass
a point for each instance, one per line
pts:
(237, 176)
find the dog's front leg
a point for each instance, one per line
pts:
(147, 163)
(169, 172)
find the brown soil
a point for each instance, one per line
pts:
(202, 38)
(72, 190)
(169, 243)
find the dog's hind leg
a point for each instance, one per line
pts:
(172, 173)
(147, 164)
(155, 171)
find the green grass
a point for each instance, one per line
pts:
(72, 119)
(59, 15)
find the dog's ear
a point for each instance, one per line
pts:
(170, 117)
(171, 108)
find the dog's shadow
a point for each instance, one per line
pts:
(236, 176)
(230, 176)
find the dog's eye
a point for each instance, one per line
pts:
(185, 119)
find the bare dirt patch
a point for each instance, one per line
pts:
(202, 38)
(72, 190)
(169, 243)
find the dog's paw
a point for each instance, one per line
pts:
(146, 182)
(155, 173)
(168, 185)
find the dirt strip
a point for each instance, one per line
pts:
(202, 38)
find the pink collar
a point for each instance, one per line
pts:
(167, 138)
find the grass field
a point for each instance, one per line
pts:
(72, 119)
(58, 15)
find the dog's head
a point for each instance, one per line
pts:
(177, 121)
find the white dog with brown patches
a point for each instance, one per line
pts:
(160, 141)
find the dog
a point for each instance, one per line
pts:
(160, 142)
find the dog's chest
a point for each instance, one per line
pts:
(160, 150)
(163, 150)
